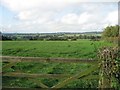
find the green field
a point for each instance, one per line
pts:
(65, 49)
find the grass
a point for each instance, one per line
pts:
(65, 49)
(47, 68)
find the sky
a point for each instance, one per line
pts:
(48, 16)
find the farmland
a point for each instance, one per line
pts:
(65, 49)
(55, 49)
(59, 45)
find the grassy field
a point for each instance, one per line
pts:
(48, 68)
(65, 49)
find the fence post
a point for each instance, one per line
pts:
(107, 66)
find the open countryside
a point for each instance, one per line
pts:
(59, 44)
(59, 49)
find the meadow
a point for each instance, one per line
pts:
(54, 49)
(65, 49)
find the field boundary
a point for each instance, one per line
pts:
(11, 61)
(104, 64)
(38, 59)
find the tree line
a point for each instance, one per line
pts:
(51, 37)
(110, 33)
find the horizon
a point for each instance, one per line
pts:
(49, 32)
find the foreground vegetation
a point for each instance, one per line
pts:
(49, 68)
(66, 49)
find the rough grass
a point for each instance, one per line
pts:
(65, 49)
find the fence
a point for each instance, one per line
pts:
(104, 65)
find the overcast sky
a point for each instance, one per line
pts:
(41, 16)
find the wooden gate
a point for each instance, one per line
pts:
(68, 78)
(106, 63)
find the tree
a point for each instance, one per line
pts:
(111, 31)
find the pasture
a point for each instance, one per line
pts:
(52, 49)
(65, 49)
